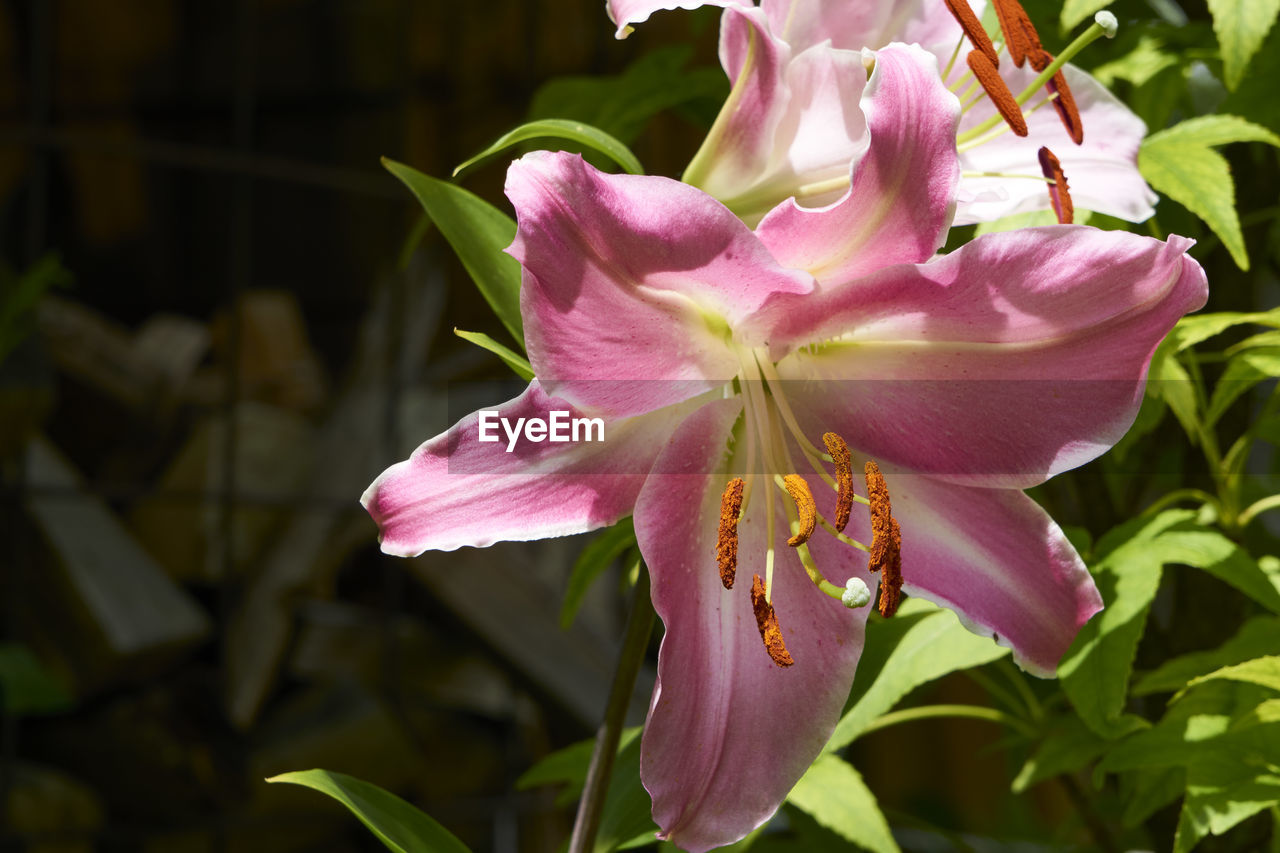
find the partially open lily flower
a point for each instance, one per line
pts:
(722, 360)
(790, 128)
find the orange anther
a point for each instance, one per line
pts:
(997, 90)
(1059, 192)
(727, 539)
(972, 27)
(767, 622)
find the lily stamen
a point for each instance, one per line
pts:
(998, 91)
(767, 622)
(844, 477)
(799, 491)
(973, 28)
(1019, 33)
(891, 574)
(727, 538)
(886, 541)
(1063, 101)
(1059, 192)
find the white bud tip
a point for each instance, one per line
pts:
(1108, 22)
(855, 593)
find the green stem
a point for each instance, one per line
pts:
(972, 712)
(1178, 495)
(634, 645)
(1251, 512)
(1011, 672)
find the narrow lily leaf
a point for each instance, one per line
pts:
(1256, 638)
(1075, 11)
(833, 793)
(1243, 371)
(1241, 27)
(594, 559)
(513, 359)
(1180, 163)
(1200, 327)
(921, 643)
(479, 233)
(398, 825)
(1263, 671)
(1207, 549)
(1175, 386)
(1067, 748)
(558, 128)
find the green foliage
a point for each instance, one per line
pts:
(1075, 11)
(19, 294)
(594, 559)
(26, 687)
(1241, 27)
(1256, 637)
(479, 233)
(553, 128)
(513, 359)
(1263, 671)
(1181, 163)
(837, 798)
(398, 825)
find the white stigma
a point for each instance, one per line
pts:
(1108, 22)
(855, 593)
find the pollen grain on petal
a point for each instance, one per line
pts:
(881, 516)
(972, 27)
(1020, 34)
(727, 540)
(1064, 102)
(1059, 192)
(767, 622)
(891, 577)
(998, 91)
(844, 478)
(799, 491)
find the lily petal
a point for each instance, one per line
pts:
(456, 490)
(1103, 172)
(624, 13)
(899, 205)
(854, 26)
(729, 733)
(1021, 355)
(998, 560)
(632, 277)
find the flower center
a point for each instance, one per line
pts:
(770, 474)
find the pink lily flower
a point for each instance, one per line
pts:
(715, 355)
(790, 128)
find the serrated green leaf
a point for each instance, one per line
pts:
(1180, 163)
(479, 233)
(597, 556)
(833, 793)
(398, 825)
(1241, 27)
(513, 359)
(1244, 370)
(1068, 746)
(919, 644)
(558, 128)
(1255, 638)
(1263, 671)
(1075, 11)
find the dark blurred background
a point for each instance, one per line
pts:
(236, 335)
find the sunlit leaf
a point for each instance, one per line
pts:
(513, 359)
(479, 233)
(1262, 671)
(398, 825)
(1254, 639)
(1069, 746)
(1075, 11)
(555, 128)
(833, 793)
(597, 556)
(1244, 370)
(1241, 27)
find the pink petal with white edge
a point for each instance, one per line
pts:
(729, 732)
(1021, 355)
(854, 26)
(456, 490)
(997, 559)
(632, 278)
(624, 13)
(791, 124)
(1102, 173)
(898, 207)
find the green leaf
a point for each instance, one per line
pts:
(1174, 385)
(1241, 27)
(1257, 637)
(1190, 331)
(513, 359)
(1263, 671)
(594, 559)
(19, 295)
(1147, 59)
(1030, 219)
(479, 233)
(26, 687)
(1207, 549)
(1095, 671)
(1244, 370)
(1180, 163)
(833, 792)
(1146, 790)
(1069, 746)
(1236, 779)
(558, 128)
(398, 825)
(921, 643)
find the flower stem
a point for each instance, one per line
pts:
(973, 712)
(634, 645)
